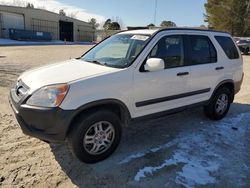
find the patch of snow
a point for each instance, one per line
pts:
(143, 153)
(133, 156)
(197, 155)
(194, 171)
(150, 170)
(9, 42)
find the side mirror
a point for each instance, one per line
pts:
(154, 64)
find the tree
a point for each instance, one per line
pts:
(119, 21)
(151, 25)
(203, 26)
(106, 24)
(229, 15)
(115, 26)
(110, 25)
(62, 13)
(29, 5)
(94, 23)
(167, 24)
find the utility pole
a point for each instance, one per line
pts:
(156, 2)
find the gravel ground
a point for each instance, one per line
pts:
(181, 150)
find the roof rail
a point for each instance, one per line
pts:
(190, 29)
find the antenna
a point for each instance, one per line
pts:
(156, 2)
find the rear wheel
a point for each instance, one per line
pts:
(219, 105)
(95, 136)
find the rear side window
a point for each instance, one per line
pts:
(202, 51)
(228, 46)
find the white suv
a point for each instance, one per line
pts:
(128, 76)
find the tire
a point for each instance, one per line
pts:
(213, 110)
(86, 140)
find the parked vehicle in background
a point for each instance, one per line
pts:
(129, 76)
(244, 45)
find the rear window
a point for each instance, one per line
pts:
(228, 46)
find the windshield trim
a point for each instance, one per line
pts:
(120, 33)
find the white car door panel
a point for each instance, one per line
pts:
(205, 66)
(163, 90)
(158, 91)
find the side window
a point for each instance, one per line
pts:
(202, 51)
(228, 46)
(170, 49)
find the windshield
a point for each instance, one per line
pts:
(117, 51)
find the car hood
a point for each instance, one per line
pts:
(63, 72)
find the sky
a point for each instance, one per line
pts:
(129, 12)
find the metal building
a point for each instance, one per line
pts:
(61, 27)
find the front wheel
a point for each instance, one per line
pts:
(95, 136)
(219, 105)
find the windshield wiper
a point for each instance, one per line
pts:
(103, 64)
(96, 62)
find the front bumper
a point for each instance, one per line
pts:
(48, 124)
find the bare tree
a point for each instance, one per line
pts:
(73, 14)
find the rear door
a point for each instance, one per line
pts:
(233, 65)
(205, 67)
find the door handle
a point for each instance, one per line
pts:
(219, 68)
(182, 73)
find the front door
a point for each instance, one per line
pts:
(166, 89)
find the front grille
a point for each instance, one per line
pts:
(21, 89)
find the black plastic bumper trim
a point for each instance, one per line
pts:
(49, 124)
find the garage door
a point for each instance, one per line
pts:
(11, 20)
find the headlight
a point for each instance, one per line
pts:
(49, 96)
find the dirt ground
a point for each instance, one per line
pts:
(181, 150)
